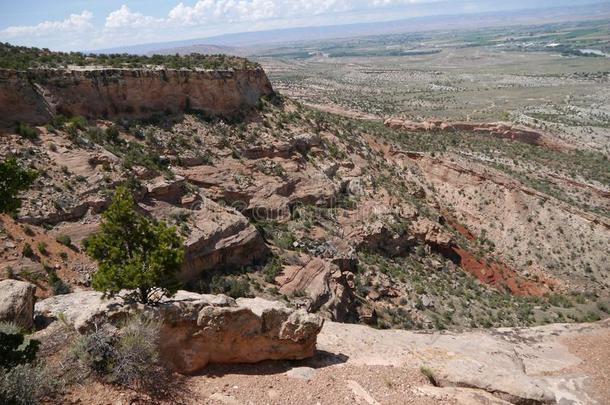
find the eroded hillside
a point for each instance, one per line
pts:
(345, 217)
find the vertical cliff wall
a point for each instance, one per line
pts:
(34, 96)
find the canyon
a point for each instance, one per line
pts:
(342, 246)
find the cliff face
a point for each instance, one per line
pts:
(34, 96)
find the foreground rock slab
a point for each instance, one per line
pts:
(199, 328)
(17, 302)
(521, 366)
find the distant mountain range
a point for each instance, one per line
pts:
(244, 43)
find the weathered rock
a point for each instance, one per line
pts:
(326, 287)
(85, 309)
(431, 233)
(302, 373)
(252, 331)
(518, 365)
(198, 329)
(220, 236)
(166, 190)
(272, 181)
(462, 396)
(17, 302)
(502, 130)
(36, 95)
(304, 142)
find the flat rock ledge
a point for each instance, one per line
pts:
(198, 329)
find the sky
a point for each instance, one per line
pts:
(97, 24)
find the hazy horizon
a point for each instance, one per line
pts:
(86, 25)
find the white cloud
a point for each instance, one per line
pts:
(214, 11)
(74, 23)
(124, 18)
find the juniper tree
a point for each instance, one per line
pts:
(134, 252)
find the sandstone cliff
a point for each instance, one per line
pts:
(34, 96)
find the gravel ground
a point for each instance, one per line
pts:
(324, 379)
(334, 384)
(595, 349)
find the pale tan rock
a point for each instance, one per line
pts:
(219, 235)
(197, 328)
(430, 232)
(36, 95)
(515, 365)
(327, 288)
(17, 302)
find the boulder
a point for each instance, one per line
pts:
(219, 236)
(326, 287)
(17, 302)
(431, 233)
(166, 190)
(198, 329)
(252, 331)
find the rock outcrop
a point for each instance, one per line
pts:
(325, 287)
(502, 130)
(17, 302)
(34, 96)
(249, 332)
(219, 237)
(197, 328)
(517, 365)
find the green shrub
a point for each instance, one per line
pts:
(60, 287)
(112, 134)
(137, 352)
(28, 230)
(27, 250)
(128, 356)
(272, 269)
(135, 252)
(25, 384)
(64, 240)
(15, 349)
(26, 131)
(233, 287)
(78, 122)
(42, 248)
(428, 373)
(95, 351)
(22, 58)
(14, 179)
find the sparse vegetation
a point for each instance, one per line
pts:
(128, 356)
(21, 58)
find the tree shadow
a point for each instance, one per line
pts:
(320, 359)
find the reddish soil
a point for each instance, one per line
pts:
(62, 259)
(498, 275)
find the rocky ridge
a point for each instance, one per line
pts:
(503, 130)
(36, 95)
